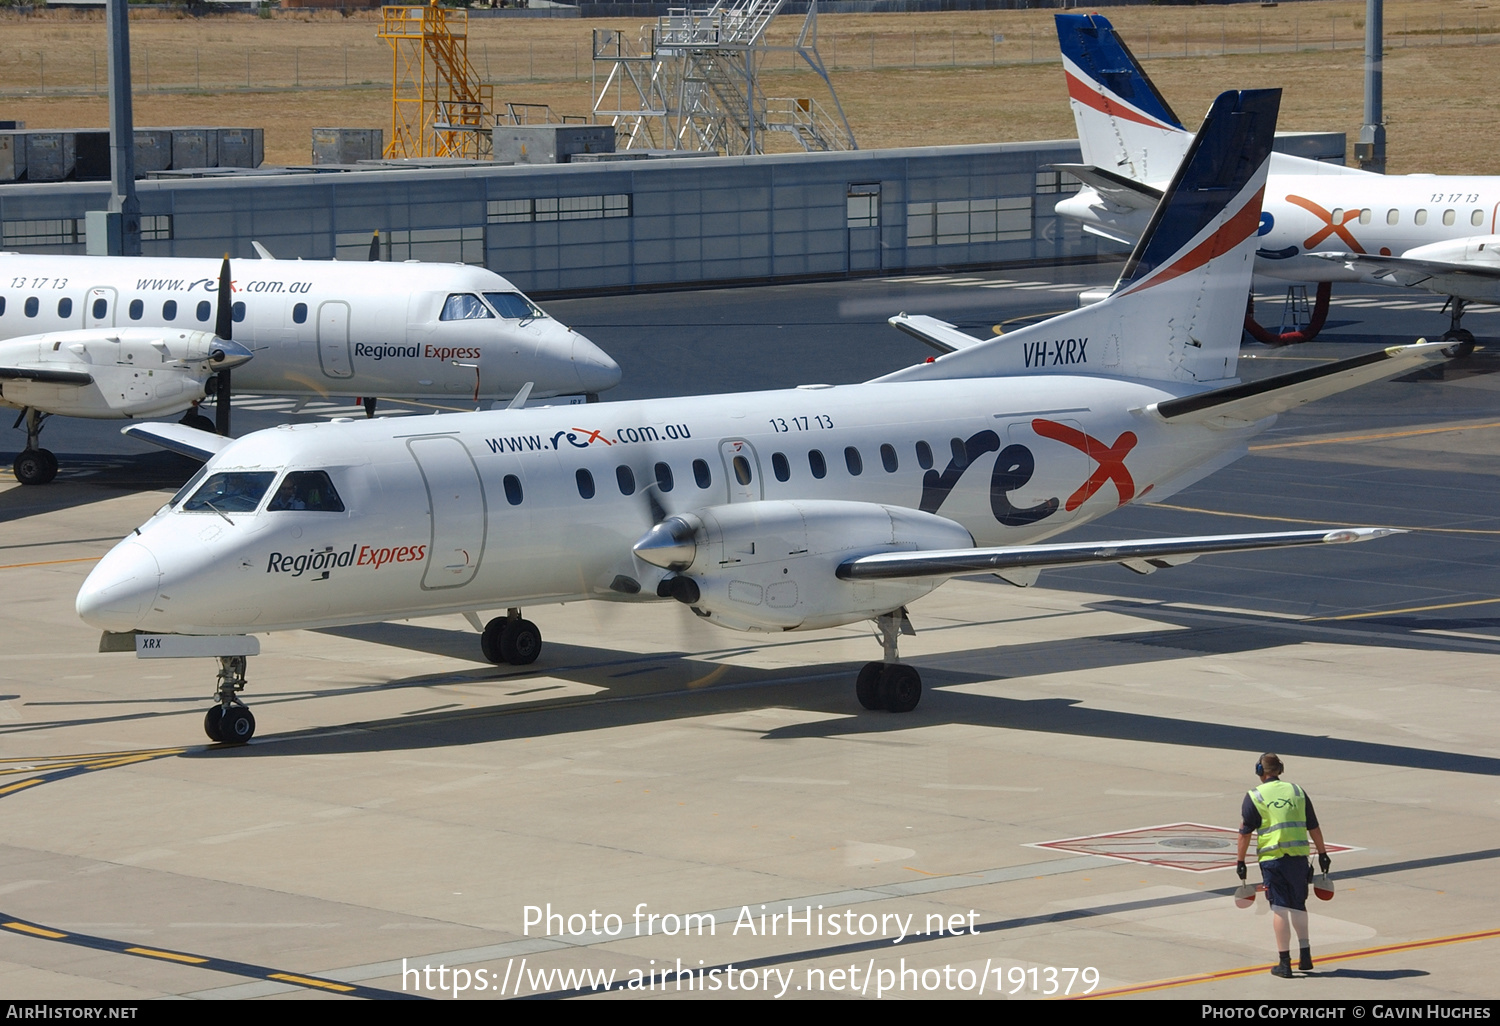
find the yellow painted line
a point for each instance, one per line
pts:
(174, 956)
(1230, 974)
(1372, 438)
(9, 788)
(308, 982)
(37, 930)
(1408, 609)
(1320, 523)
(52, 562)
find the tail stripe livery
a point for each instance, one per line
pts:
(1103, 74)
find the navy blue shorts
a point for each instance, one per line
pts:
(1287, 879)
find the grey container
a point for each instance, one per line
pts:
(49, 155)
(153, 150)
(551, 144)
(347, 145)
(195, 147)
(12, 156)
(241, 147)
(1327, 147)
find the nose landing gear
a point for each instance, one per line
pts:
(510, 639)
(230, 722)
(890, 685)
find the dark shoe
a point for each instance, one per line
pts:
(1305, 962)
(1282, 969)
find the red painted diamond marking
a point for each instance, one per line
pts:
(1191, 847)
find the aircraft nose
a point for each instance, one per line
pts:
(121, 589)
(596, 371)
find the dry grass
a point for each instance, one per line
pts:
(978, 76)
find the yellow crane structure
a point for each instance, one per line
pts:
(439, 106)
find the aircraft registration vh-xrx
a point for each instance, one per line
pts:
(771, 511)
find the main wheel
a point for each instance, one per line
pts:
(490, 642)
(237, 726)
(867, 685)
(212, 721)
(35, 467)
(1463, 342)
(197, 422)
(521, 643)
(900, 688)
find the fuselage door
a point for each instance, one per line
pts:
(99, 308)
(456, 505)
(333, 340)
(741, 469)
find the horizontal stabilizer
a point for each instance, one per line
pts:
(1254, 400)
(930, 331)
(1113, 187)
(46, 375)
(1142, 556)
(1411, 270)
(179, 438)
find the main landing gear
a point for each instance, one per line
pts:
(195, 419)
(890, 685)
(230, 722)
(1462, 338)
(510, 639)
(35, 466)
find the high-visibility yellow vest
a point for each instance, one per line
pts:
(1283, 820)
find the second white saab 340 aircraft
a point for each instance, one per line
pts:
(1321, 222)
(764, 511)
(132, 337)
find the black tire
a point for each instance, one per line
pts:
(867, 685)
(211, 722)
(197, 422)
(900, 688)
(491, 641)
(521, 643)
(237, 726)
(1463, 342)
(35, 467)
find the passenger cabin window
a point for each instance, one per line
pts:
(101, 309)
(462, 306)
(960, 453)
(701, 473)
(512, 305)
(585, 484)
(1477, 218)
(512, 489)
(888, 458)
(1393, 216)
(1449, 218)
(137, 309)
(853, 461)
(780, 467)
(299, 313)
(65, 308)
(625, 478)
(664, 477)
(1364, 216)
(231, 492)
(169, 310)
(817, 464)
(32, 306)
(205, 310)
(924, 455)
(1421, 217)
(306, 490)
(2, 306)
(742, 470)
(237, 311)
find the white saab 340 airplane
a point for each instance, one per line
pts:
(1320, 223)
(764, 511)
(133, 337)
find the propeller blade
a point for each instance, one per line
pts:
(221, 404)
(375, 247)
(224, 325)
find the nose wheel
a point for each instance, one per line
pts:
(511, 640)
(890, 685)
(230, 722)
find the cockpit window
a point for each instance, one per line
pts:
(232, 492)
(513, 305)
(306, 489)
(189, 488)
(461, 306)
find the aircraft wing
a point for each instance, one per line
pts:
(930, 331)
(1250, 401)
(1020, 564)
(1113, 187)
(1412, 270)
(46, 375)
(179, 438)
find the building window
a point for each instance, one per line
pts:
(864, 206)
(1049, 182)
(66, 231)
(561, 208)
(458, 245)
(963, 222)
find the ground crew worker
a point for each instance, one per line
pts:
(1283, 815)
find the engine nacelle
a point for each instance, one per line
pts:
(770, 566)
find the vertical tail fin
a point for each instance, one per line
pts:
(1177, 311)
(1124, 125)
